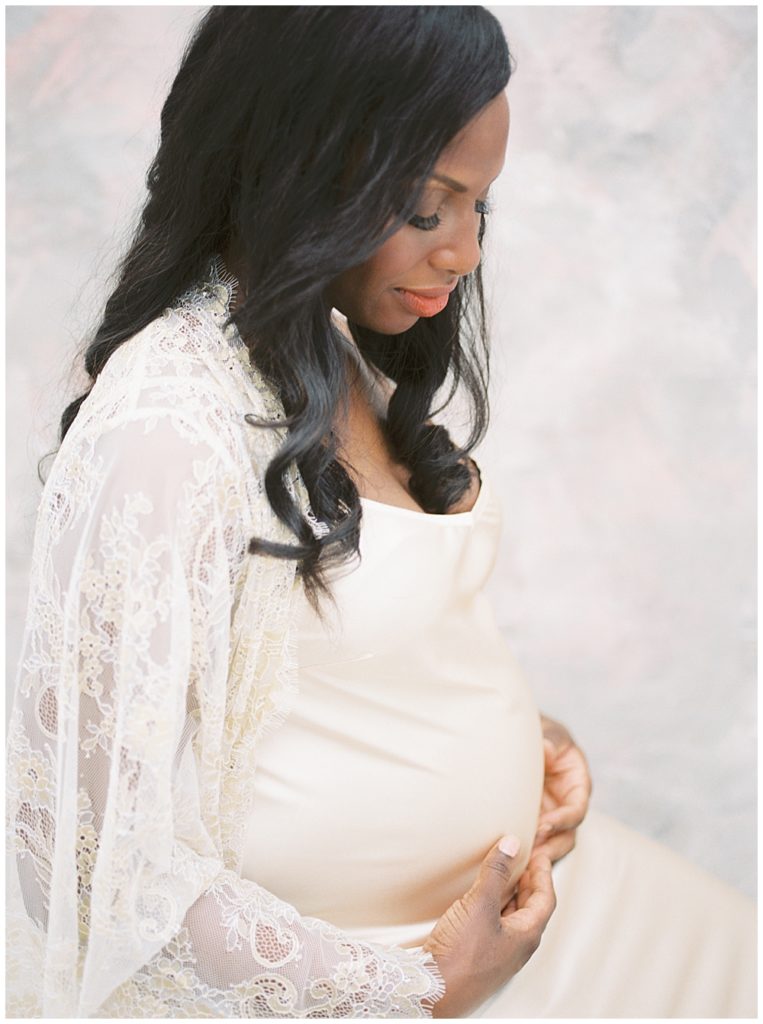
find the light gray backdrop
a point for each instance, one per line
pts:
(621, 265)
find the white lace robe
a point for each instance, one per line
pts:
(157, 651)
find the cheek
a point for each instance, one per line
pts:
(393, 266)
(367, 291)
(394, 261)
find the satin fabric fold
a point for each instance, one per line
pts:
(415, 743)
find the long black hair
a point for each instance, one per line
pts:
(306, 135)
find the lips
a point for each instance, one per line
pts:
(425, 301)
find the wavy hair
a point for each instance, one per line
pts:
(305, 135)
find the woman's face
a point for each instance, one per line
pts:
(430, 258)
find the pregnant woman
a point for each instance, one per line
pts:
(268, 752)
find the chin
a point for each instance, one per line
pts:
(398, 329)
(397, 323)
(387, 327)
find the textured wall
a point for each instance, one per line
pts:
(623, 266)
(621, 262)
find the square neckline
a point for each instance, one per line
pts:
(454, 517)
(219, 274)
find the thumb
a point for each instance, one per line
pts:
(550, 754)
(495, 881)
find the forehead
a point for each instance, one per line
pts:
(476, 155)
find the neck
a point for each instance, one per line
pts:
(233, 258)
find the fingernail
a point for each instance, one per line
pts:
(543, 830)
(509, 845)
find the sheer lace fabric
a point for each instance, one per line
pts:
(157, 652)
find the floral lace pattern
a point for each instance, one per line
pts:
(156, 654)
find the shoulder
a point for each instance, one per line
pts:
(188, 366)
(177, 398)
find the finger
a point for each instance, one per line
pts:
(496, 879)
(535, 897)
(566, 779)
(532, 876)
(549, 749)
(561, 819)
(556, 734)
(557, 846)
(569, 815)
(570, 761)
(510, 907)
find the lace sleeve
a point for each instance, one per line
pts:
(125, 750)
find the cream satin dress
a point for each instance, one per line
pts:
(415, 744)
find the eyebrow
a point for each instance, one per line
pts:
(457, 186)
(450, 182)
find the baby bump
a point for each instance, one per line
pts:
(374, 805)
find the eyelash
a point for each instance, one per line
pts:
(481, 207)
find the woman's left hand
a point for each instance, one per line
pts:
(566, 791)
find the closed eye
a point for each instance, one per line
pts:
(481, 206)
(425, 223)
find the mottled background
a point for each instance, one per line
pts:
(621, 263)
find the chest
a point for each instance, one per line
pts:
(363, 447)
(366, 455)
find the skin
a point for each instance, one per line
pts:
(416, 259)
(485, 937)
(413, 258)
(566, 791)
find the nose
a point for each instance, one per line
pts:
(458, 253)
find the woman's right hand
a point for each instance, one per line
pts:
(487, 936)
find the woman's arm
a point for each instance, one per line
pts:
(130, 747)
